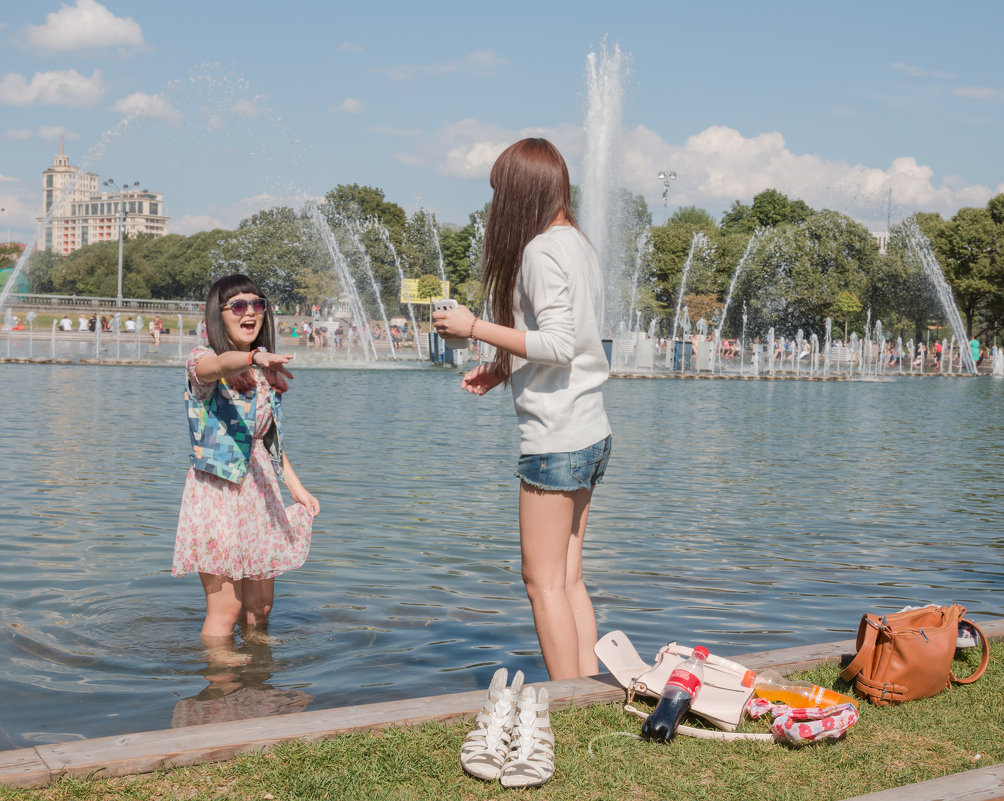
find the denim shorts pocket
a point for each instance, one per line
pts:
(589, 464)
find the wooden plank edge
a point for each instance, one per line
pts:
(23, 767)
(146, 752)
(982, 784)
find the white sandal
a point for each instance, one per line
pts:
(531, 753)
(486, 746)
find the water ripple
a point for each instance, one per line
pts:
(739, 514)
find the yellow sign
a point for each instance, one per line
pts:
(409, 291)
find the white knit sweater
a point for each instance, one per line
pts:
(559, 303)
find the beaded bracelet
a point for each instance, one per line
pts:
(474, 322)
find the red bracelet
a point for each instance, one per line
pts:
(252, 353)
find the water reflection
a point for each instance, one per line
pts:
(238, 686)
(748, 516)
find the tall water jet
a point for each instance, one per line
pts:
(381, 229)
(434, 235)
(642, 252)
(751, 246)
(352, 230)
(698, 244)
(345, 276)
(600, 212)
(920, 248)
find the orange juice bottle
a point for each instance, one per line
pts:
(775, 688)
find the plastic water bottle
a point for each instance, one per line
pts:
(772, 686)
(679, 692)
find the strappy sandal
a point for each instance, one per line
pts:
(487, 744)
(531, 753)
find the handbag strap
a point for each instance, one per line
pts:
(984, 660)
(867, 634)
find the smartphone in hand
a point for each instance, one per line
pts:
(448, 304)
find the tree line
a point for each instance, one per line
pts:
(799, 265)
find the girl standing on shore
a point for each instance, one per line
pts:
(547, 300)
(233, 528)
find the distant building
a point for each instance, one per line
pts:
(882, 237)
(81, 214)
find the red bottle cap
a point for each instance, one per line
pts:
(749, 678)
(701, 651)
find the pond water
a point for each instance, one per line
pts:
(743, 515)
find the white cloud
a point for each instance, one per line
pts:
(230, 216)
(910, 69)
(715, 167)
(481, 61)
(6, 178)
(249, 108)
(720, 165)
(55, 133)
(350, 105)
(155, 107)
(88, 25)
(979, 93)
(188, 224)
(21, 205)
(18, 134)
(58, 87)
(350, 47)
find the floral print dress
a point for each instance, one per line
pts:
(239, 530)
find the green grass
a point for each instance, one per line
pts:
(958, 730)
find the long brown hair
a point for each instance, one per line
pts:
(219, 293)
(531, 186)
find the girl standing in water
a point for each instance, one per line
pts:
(547, 301)
(233, 528)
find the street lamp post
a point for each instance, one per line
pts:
(666, 176)
(110, 183)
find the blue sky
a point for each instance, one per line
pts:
(227, 106)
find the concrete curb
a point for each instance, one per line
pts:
(145, 752)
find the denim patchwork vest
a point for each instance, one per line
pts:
(221, 429)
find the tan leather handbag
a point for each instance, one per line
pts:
(908, 655)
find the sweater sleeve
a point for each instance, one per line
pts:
(547, 291)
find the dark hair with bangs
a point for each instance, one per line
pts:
(219, 293)
(531, 186)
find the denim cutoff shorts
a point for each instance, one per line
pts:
(565, 472)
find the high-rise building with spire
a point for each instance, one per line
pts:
(81, 214)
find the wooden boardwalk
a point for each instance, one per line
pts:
(145, 752)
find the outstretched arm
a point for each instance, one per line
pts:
(214, 367)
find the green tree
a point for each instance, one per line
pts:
(969, 248)
(770, 208)
(356, 202)
(900, 293)
(845, 306)
(9, 254)
(281, 252)
(421, 250)
(41, 268)
(429, 287)
(456, 246)
(798, 271)
(694, 218)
